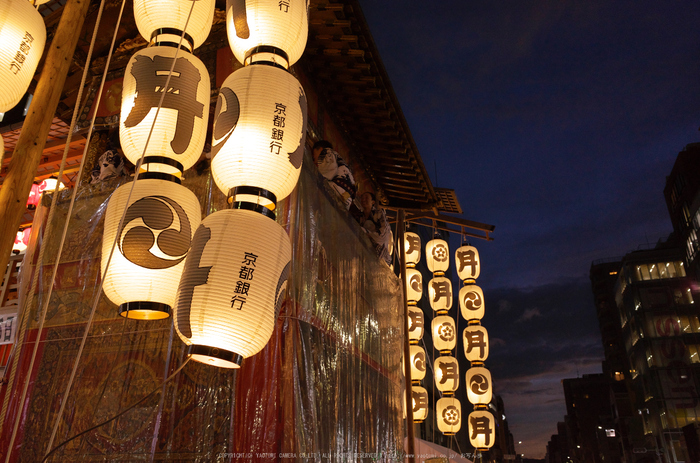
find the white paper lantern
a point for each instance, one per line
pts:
(444, 333)
(259, 131)
(234, 283)
(412, 247)
(180, 131)
(151, 15)
(437, 255)
(449, 415)
(420, 404)
(475, 340)
(440, 293)
(446, 371)
(22, 40)
(482, 429)
(468, 263)
(479, 388)
(21, 240)
(471, 302)
(148, 260)
(416, 324)
(418, 363)
(277, 28)
(414, 285)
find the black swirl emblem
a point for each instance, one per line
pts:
(416, 282)
(158, 214)
(226, 114)
(479, 384)
(472, 300)
(450, 415)
(419, 361)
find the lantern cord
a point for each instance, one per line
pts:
(126, 410)
(121, 220)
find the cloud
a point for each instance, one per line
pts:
(529, 314)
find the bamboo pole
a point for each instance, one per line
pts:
(30, 145)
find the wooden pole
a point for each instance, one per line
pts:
(30, 145)
(411, 448)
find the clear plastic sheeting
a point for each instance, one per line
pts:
(327, 387)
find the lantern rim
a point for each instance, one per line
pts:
(160, 176)
(252, 191)
(145, 310)
(260, 209)
(265, 51)
(188, 41)
(162, 160)
(415, 382)
(215, 356)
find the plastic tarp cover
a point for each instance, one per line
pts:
(327, 387)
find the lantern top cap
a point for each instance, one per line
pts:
(171, 37)
(269, 55)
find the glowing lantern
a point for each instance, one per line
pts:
(437, 255)
(22, 39)
(482, 429)
(233, 286)
(49, 185)
(440, 293)
(446, 371)
(148, 260)
(471, 302)
(468, 263)
(34, 196)
(259, 131)
(416, 324)
(151, 15)
(276, 31)
(418, 363)
(449, 415)
(412, 247)
(444, 333)
(479, 386)
(414, 285)
(420, 404)
(476, 343)
(21, 240)
(180, 131)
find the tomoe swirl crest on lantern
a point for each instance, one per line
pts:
(479, 384)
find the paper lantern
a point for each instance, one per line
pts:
(49, 185)
(259, 131)
(178, 136)
(479, 390)
(416, 324)
(34, 196)
(471, 302)
(482, 429)
(420, 404)
(412, 247)
(449, 415)
(440, 293)
(151, 15)
(475, 340)
(446, 371)
(437, 255)
(22, 40)
(275, 30)
(418, 363)
(444, 333)
(468, 263)
(233, 286)
(148, 260)
(21, 241)
(414, 284)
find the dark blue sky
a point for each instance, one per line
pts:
(557, 121)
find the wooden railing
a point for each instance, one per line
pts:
(9, 305)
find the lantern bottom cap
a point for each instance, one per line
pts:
(449, 433)
(215, 356)
(144, 310)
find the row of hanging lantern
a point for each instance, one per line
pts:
(482, 427)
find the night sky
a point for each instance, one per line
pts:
(557, 122)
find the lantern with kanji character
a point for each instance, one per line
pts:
(468, 263)
(446, 371)
(420, 404)
(416, 324)
(414, 285)
(22, 40)
(475, 340)
(263, 30)
(444, 333)
(479, 385)
(412, 247)
(437, 255)
(148, 259)
(482, 429)
(449, 415)
(233, 285)
(418, 363)
(177, 139)
(158, 16)
(440, 294)
(259, 131)
(471, 302)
